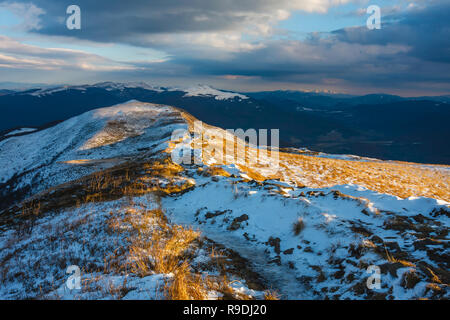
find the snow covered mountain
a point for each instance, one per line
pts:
(375, 126)
(208, 91)
(99, 139)
(193, 91)
(101, 191)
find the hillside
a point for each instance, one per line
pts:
(102, 191)
(377, 126)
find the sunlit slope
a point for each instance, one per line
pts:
(101, 138)
(215, 146)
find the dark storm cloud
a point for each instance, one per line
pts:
(410, 49)
(133, 22)
(426, 30)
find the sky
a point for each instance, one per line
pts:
(240, 45)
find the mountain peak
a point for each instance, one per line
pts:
(202, 90)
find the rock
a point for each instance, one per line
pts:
(439, 256)
(275, 243)
(409, 279)
(360, 288)
(440, 212)
(321, 277)
(337, 194)
(391, 268)
(356, 250)
(339, 274)
(236, 223)
(288, 251)
(399, 223)
(423, 243)
(361, 230)
(350, 277)
(277, 261)
(419, 218)
(376, 239)
(435, 274)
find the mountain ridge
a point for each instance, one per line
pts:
(415, 130)
(305, 226)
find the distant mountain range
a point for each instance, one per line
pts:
(336, 100)
(377, 125)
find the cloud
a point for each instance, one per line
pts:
(27, 12)
(237, 41)
(224, 24)
(410, 52)
(17, 55)
(426, 29)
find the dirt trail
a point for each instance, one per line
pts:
(279, 278)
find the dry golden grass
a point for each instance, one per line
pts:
(298, 226)
(165, 248)
(213, 171)
(124, 180)
(397, 178)
(31, 208)
(271, 295)
(253, 173)
(433, 287)
(434, 277)
(160, 247)
(186, 286)
(392, 259)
